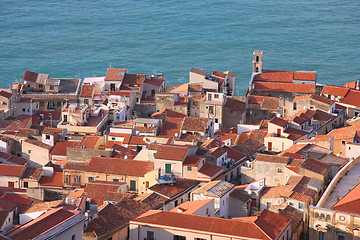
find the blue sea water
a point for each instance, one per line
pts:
(83, 38)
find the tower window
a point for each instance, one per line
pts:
(257, 69)
(257, 58)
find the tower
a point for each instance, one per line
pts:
(257, 61)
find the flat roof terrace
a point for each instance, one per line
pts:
(66, 86)
(348, 181)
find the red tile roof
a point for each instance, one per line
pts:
(209, 169)
(120, 93)
(5, 94)
(41, 224)
(335, 90)
(51, 131)
(55, 180)
(119, 166)
(89, 142)
(285, 87)
(132, 81)
(11, 170)
(171, 190)
(350, 202)
(156, 81)
(316, 166)
(352, 98)
(192, 161)
(171, 152)
(87, 91)
(30, 76)
(169, 113)
(272, 158)
(235, 105)
(114, 74)
(39, 144)
(171, 126)
(60, 147)
(279, 122)
(97, 190)
(266, 226)
(195, 124)
(22, 203)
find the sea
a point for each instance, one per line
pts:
(69, 39)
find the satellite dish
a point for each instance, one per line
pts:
(126, 157)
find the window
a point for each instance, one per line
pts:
(211, 109)
(216, 95)
(51, 105)
(67, 179)
(65, 118)
(176, 203)
(113, 138)
(86, 101)
(209, 97)
(216, 120)
(279, 170)
(200, 239)
(341, 237)
(23, 109)
(51, 87)
(343, 142)
(189, 169)
(91, 179)
(58, 104)
(47, 137)
(147, 184)
(150, 235)
(301, 205)
(207, 211)
(26, 184)
(29, 151)
(73, 237)
(167, 168)
(322, 235)
(178, 237)
(132, 185)
(268, 205)
(115, 180)
(294, 106)
(11, 184)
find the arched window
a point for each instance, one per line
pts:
(257, 69)
(257, 58)
(322, 216)
(328, 218)
(316, 215)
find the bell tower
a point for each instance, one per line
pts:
(257, 61)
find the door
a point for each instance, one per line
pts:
(269, 146)
(11, 184)
(279, 131)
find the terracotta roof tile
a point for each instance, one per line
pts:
(335, 90)
(285, 87)
(119, 166)
(76, 166)
(87, 91)
(209, 169)
(132, 81)
(60, 147)
(5, 94)
(171, 190)
(97, 190)
(192, 161)
(41, 224)
(171, 152)
(279, 122)
(194, 124)
(11, 170)
(43, 206)
(89, 142)
(316, 166)
(352, 98)
(156, 81)
(55, 180)
(115, 74)
(235, 105)
(30, 76)
(350, 202)
(191, 207)
(39, 144)
(272, 158)
(51, 131)
(260, 229)
(32, 173)
(168, 113)
(21, 202)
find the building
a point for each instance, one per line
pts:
(157, 224)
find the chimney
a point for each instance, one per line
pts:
(357, 84)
